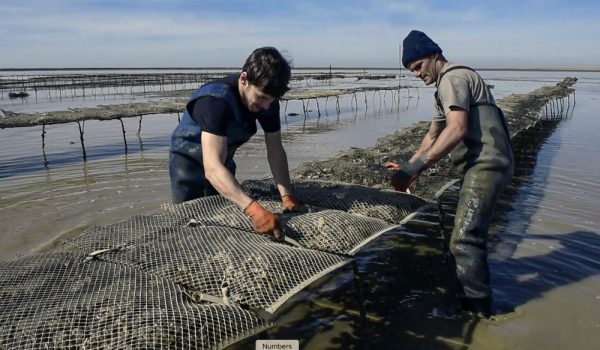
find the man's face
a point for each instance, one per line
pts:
(424, 69)
(253, 97)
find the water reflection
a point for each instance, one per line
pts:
(61, 145)
(573, 259)
(513, 219)
(527, 146)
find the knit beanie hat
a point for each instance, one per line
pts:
(417, 45)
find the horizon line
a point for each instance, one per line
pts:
(548, 69)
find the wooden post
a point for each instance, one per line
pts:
(140, 126)
(81, 131)
(44, 144)
(318, 109)
(124, 138)
(304, 108)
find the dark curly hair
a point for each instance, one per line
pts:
(267, 69)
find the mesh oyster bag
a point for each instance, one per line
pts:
(215, 263)
(387, 205)
(327, 230)
(62, 300)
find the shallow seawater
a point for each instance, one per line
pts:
(543, 247)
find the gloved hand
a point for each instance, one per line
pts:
(401, 180)
(391, 166)
(406, 175)
(263, 221)
(290, 204)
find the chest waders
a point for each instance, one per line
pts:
(485, 160)
(186, 168)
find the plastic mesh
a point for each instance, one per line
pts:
(229, 264)
(59, 300)
(326, 230)
(194, 277)
(122, 234)
(390, 206)
(217, 211)
(334, 230)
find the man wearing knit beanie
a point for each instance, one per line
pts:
(417, 45)
(468, 126)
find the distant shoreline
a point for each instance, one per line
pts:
(294, 68)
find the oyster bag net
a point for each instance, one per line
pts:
(195, 276)
(218, 263)
(59, 300)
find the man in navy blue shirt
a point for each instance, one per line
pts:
(218, 119)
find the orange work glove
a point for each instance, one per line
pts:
(263, 221)
(290, 204)
(391, 166)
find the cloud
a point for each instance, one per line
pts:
(316, 33)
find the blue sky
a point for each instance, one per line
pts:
(349, 33)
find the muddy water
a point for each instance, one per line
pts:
(544, 259)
